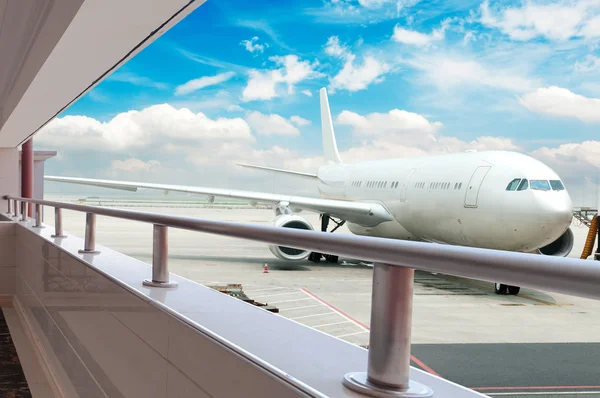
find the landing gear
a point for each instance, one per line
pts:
(499, 288)
(514, 290)
(330, 258)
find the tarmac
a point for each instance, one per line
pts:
(534, 344)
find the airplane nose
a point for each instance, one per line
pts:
(559, 208)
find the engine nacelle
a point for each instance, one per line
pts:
(289, 253)
(561, 247)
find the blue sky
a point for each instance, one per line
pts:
(238, 81)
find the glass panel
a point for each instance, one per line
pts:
(540, 185)
(512, 186)
(523, 185)
(557, 185)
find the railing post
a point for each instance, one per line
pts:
(10, 203)
(38, 216)
(160, 254)
(24, 207)
(90, 234)
(16, 208)
(58, 230)
(389, 342)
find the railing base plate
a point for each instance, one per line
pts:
(357, 381)
(83, 251)
(151, 283)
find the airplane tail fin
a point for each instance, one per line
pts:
(330, 149)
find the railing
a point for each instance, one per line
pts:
(393, 276)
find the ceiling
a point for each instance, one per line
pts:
(53, 51)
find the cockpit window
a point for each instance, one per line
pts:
(512, 186)
(523, 185)
(540, 185)
(557, 185)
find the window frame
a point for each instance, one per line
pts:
(520, 188)
(548, 187)
(509, 185)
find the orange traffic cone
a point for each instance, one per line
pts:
(266, 269)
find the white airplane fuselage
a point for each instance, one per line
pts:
(458, 199)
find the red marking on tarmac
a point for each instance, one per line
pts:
(345, 315)
(536, 388)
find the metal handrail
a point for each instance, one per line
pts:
(389, 351)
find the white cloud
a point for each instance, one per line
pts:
(590, 64)
(358, 76)
(448, 72)
(358, 11)
(253, 46)
(397, 125)
(415, 38)
(308, 93)
(137, 129)
(133, 164)
(558, 21)
(575, 163)
(299, 121)
(136, 80)
(335, 49)
(264, 85)
(272, 124)
(204, 81)
(354, 76)
(561, 102)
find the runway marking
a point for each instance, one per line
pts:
(537, 388)
(288, 301)
(362, 325)
(340, 312)
(275, 295)
(352, 334)
(543, 393)
(299, 308)
(261, 290)
(313, 315)
(330, 324)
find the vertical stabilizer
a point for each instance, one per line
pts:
(330, 149)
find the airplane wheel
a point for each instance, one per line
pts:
(331, 258)
(514, 290)
(499, 288)
(314, 257)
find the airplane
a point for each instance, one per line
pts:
(490, 199)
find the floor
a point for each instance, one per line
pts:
(26, 377)
(12, 378)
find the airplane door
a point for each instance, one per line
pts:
(474, 185)
(405, 183)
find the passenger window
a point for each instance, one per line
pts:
(523, 185)
(557, 185)
(512, 186)
(539, 185)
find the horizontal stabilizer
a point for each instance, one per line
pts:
(283, 171)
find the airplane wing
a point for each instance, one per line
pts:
(368, 214)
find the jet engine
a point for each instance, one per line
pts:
(561, 247)
(288, 253)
